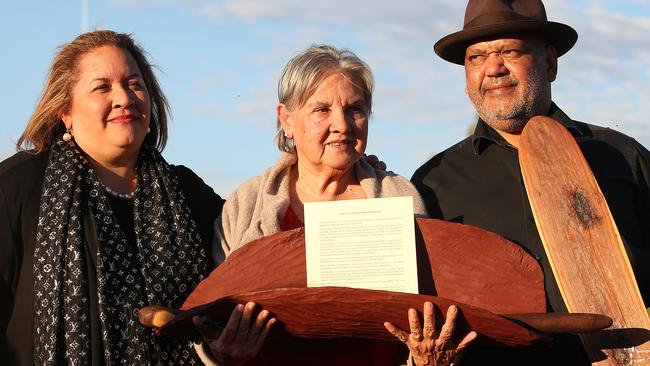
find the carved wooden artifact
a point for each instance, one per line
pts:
(582, 243)
(336, 322)
(502, 279)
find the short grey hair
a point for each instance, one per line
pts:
(305, 71)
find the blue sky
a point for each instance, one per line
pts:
(219, 62)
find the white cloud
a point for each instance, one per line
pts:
(604, 79)
(334, 11)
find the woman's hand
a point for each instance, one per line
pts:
(425, 347)
(242, 337)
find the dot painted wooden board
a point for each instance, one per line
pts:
(582, 243)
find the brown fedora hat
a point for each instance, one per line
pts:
(487, 18)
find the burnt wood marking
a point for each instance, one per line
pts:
(583, 209)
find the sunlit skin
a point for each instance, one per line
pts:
(109, 114)
(330, 132)
(508, 81)
(241, 338)
(427, 346)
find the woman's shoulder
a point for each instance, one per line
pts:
(22, 168)
(247, 191)
(187, 177)
(382, 183)
(23, 161)
(198, 192)
(395, 182)
(269, 181)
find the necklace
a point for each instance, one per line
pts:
(126, 196)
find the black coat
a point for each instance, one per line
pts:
(21, 182)
(478, 182)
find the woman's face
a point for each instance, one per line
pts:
(330, 130)
(110, 108)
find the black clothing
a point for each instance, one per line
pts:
(478, 182)
(21, 182)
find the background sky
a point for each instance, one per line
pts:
(219, 62)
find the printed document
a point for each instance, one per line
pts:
(367, 243)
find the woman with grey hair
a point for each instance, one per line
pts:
(325, 100)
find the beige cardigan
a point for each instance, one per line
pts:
(258, 206)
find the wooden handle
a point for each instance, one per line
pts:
(156, 316)
(562, 322)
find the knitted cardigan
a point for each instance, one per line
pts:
(258, 206)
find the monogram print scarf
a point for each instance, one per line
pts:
(166, 261)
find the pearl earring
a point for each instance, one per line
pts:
(67, 136)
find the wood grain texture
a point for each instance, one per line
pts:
(582, 243)
(271, 262)
(502, 279)
(339, 312)
(480, 268)
(271, 271)
(562, 322)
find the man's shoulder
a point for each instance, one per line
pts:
(593, 129)
(462, 148)
(609, 136)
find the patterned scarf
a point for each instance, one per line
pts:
(162, 267)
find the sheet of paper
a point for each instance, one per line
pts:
(368, 243)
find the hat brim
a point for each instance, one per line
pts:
(452, 47)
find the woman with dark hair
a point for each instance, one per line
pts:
(94, 223)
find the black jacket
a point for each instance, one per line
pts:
(478, 182)
(21, 182)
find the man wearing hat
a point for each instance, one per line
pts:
(510, 53)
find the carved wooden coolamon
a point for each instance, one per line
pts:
(455, 261)
(482, 272)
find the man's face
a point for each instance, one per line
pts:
(509, 80)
